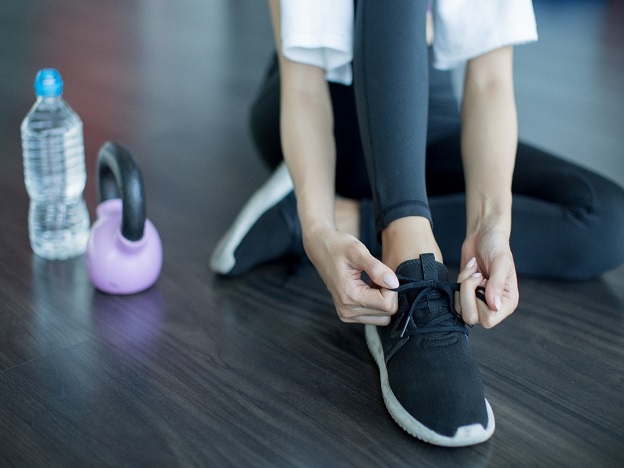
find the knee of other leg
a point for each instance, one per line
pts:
(604, 229)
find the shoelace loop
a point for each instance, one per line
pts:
(424, 287)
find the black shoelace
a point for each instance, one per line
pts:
(447, 321)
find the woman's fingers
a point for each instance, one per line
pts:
(378, 320)
(502, 289)
(468, 299)
(366, 300)
(473, 309)
(355, 300)
(469, 269)
(361, 260)
(491, 248)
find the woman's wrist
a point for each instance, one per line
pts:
(489, 212)
(316, 230)
(316, 222)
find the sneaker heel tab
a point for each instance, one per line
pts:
(429, 267)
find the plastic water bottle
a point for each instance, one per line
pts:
(54, 172)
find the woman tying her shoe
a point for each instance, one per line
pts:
(390, 62)
(391, 90)
(406, 115)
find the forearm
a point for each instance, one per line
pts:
(309, 150)
(489, 140)
(306, 127)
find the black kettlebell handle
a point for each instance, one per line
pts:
(118, 176)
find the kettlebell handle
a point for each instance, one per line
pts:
(118, 176)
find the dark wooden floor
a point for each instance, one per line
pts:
(259, 371)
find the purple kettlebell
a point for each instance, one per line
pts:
(124, 252)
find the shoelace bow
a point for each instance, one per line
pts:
(438, 324)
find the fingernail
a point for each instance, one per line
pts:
(471, 263)
(476, 275)
(391, 281)
(497, 303)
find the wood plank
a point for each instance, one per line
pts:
(258, 371)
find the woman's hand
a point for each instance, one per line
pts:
(489, 263)
(340, 259)
(307, 137)
(489, 142)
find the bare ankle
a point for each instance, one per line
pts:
(406, 239)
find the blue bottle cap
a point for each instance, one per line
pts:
(48, 83)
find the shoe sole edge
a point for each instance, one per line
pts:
(466, 435)
(268, 195)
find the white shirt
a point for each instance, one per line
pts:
(320, 32)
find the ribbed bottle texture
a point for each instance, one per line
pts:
(54, 172)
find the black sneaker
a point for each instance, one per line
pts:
(266, 229)
(430, 382)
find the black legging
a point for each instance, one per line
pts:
(390, 67)
(568, 222)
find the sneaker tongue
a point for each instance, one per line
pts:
(424, 269)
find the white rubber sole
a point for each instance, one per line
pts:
(465, 435)
(272, 191)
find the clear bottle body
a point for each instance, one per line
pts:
(55, 178)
